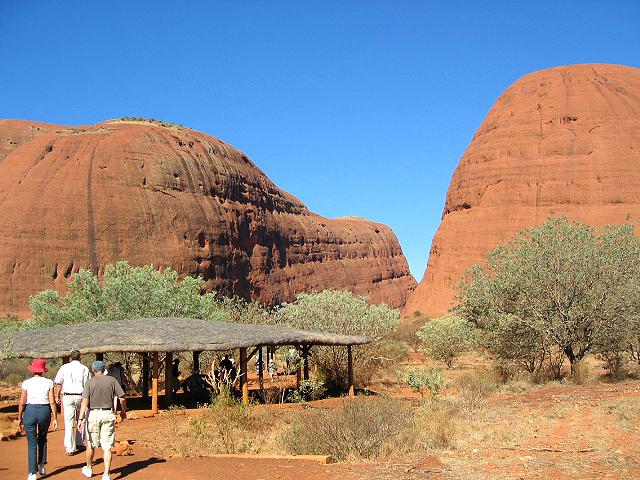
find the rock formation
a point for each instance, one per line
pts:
(155, 193)
(563, 141)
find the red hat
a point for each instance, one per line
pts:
(38, 365)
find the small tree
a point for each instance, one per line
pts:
(420, 379)
(560, 285)
(126, 292)
(446, 339)
(340, 312)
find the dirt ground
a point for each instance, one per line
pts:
(551, 431)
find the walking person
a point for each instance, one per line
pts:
(99, 401)
(35, 413)
(71, 377)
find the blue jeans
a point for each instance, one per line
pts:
(36, 422)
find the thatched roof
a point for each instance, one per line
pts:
(166, 334)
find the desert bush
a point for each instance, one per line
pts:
(446, 339)
(407, 331)
(13, 371)
(565, 286)
(435, 425)
(424, 379)
(341, 312)
(227, 426)
(126, 292)
(362, 428)
(308, 390)
(580, 373)
(475, 387)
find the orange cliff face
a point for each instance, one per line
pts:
(560, 142)
(153, 193)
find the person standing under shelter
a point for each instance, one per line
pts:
(99, 401)
(71, 377)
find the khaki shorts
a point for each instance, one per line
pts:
(102, 428)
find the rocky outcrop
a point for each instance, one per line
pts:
(563, 141)
(155, 193)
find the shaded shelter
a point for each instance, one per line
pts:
(171, 335)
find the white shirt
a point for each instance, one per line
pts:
(72, 376)
(37, 388)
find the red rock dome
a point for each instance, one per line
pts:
(156, 193)
(563, 141)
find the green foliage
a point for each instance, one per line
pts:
(424, 379)
(126, 292)
(446, 339)
(311, 389)
(560, 289)
(343, 313)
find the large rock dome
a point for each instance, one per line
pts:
(559, 142)
(155, 193)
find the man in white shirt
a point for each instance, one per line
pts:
(71, 377)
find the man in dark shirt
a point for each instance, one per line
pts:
(99, 402)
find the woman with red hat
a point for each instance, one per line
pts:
(34, 412)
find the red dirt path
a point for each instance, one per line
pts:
(145, 465)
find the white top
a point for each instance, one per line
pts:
(72, 376)
(37, 390)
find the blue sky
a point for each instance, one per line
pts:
(357, 108)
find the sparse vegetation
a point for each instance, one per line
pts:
(446, 338)
(362, 428)
(341, 312)
(428, 379)
(149, 120)
(560, 290)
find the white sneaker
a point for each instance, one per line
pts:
(42, 470)
(32, 476)
(86, 471)
(106, 477)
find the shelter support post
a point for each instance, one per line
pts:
(196, 361)
(145, 376)
(261, 372)
(168, 378)
(244, 384)
(350, 371)
(298, 371)
(306, 351)
(154, 383)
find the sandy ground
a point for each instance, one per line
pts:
(552, 431)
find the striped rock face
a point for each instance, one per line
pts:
(560, 142)
(152, 193)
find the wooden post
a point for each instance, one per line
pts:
(154, 383)
(145, 376)
(261, 373)
(305, 356)
(350, 371)
(196, 361)
(244, 385)
(168, 378)
(100, 357)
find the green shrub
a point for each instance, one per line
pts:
(446, 339)
(340, 312)
(424, 379)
